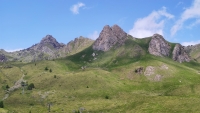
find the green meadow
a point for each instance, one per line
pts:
(104, 83)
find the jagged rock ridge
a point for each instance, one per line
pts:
(158, 46)
(109, 37)
(179, 54)
(114, 36)
(47, 49)
(48, 41)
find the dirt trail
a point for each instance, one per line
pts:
(17, 85)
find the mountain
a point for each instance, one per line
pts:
(48, 48)
(47, 42)
(109, 37)
(77, 45)
(180, 54)
(123, 74)
(114, 37)
(158, 46)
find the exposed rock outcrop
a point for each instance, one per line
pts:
(109, 37)
(45, 50)
(48, 41)
(158, 46)
(179, 54)
(3, 58)
(48, 48)
(149, 71)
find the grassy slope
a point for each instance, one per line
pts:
(111, 76)
(196, 54)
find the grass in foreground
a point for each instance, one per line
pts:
(97, 89)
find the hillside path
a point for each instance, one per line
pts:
(17, 85)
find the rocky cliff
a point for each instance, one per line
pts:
(47, 42)
(179, 54)
(158, 46)
(109, 37)
(3, 58)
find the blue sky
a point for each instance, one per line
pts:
(25, 22)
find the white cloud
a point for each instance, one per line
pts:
(75, 8)
(190, 43)
(94, 35)
(192, 12)
(13, 50)
(153, 23)
(180, 3)
(194, 24)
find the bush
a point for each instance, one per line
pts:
(46, 69)
(7, 87)
(31, 104)
(106, 97)
(1, 104)
(23, 84)
(50, 70)
(31, 86)
(54, 76)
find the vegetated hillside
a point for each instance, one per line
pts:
(123, 79)
(117, 73)
(76, 46)
(194, 51)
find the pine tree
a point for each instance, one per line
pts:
(31, 86)
(1, 104)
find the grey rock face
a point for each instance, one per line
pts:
(51, 41)
(47, 49)
(3, 58)
(158, 46)
(179, 54)
(109, 37)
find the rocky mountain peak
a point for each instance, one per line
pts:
(48, 39)
(109, 37)
(51, 41)
(158, 46)
(118, 31)
(179, 54)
